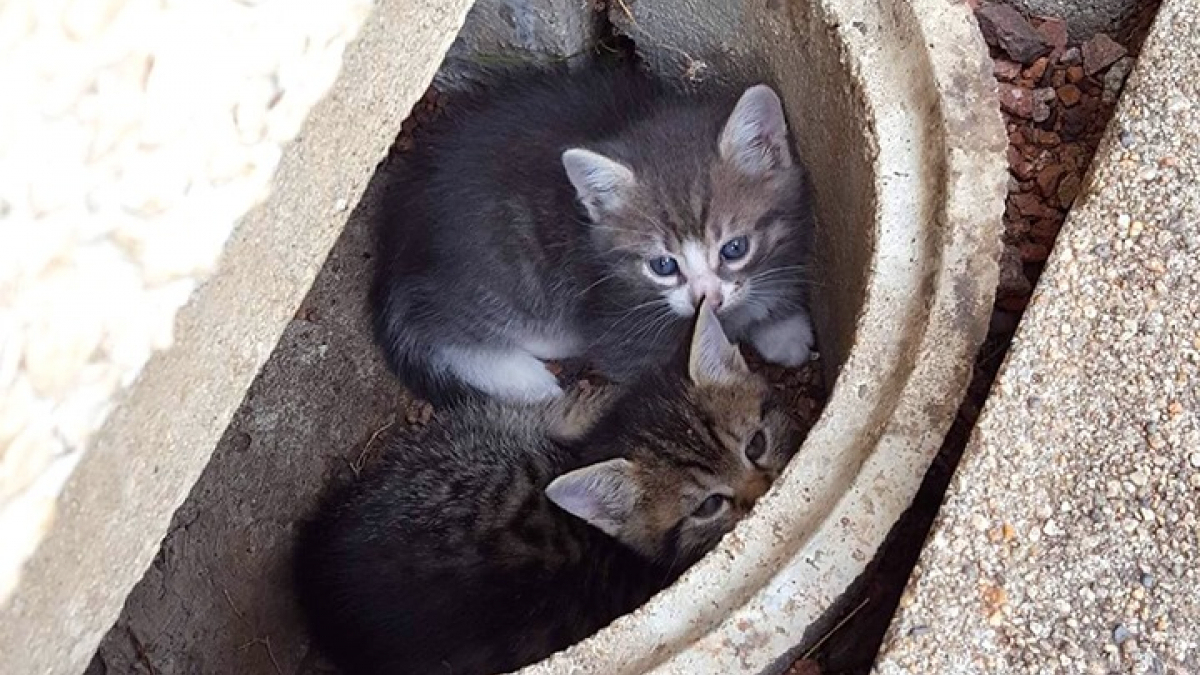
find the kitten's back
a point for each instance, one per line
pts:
(480, 240)
(419, 566)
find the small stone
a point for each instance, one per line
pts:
(1075, 74)
(1101, 52)
(1003, 69)
(1048, 177)
(1068, 190)
(1045, 229)
(1028, 204)
(1004, 27)
(1072, 56)
(1121, 634)
(1194, 460)
(1037, 70)
(1034, 253)
(995, 597)
(1076, 120)
(1114, 79)
(1069, 94)
(1042, 98)
(1138, 478)
(1147, 581)
(1020, 167)
(1054, 33)
(1016, 101)
(1051, 529)
(1046, 139)
(1013, 282)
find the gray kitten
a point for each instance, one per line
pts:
(586, 216)
(510, 531)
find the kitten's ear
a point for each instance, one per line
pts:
(713, 360)
(603, 494)
(755, 136)
(602, 184)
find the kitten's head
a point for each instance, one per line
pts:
(692, 454)
(712, 208)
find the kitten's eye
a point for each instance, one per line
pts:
(663, 265)
(710, 507)
(756, 447)
(736, 248)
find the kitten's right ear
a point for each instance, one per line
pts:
(602, 184)
(713, 359)
(603, 494)
(755, 136)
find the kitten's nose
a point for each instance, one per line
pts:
(712, 294)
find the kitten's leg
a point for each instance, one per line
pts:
(507, 374)
(574, 414)
(786, 342)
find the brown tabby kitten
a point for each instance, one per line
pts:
(509, 532)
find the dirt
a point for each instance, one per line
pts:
(1056, 108)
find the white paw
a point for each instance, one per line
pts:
(787, 343)
(510, 375)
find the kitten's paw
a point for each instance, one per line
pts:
(508, 375)
(787, 343)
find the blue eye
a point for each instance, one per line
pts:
(736, 248)
(663, 265)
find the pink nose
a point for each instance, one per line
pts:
(711, 292)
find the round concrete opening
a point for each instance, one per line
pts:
(892, 107)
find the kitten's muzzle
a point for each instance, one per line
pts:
(708, 291)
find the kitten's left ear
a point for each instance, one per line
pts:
(755, 136)
(603, 494)
(713, 359)
(602, 184)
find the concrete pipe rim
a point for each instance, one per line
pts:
(931, 111)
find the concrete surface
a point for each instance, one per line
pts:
(218, 598)
(508, 33)
(132, 137)
(1070, 539)
(139, 466)
(1085, 18)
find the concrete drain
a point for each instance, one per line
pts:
(893, 107)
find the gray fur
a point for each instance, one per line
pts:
(520, 229)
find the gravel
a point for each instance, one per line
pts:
(1099, 490)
